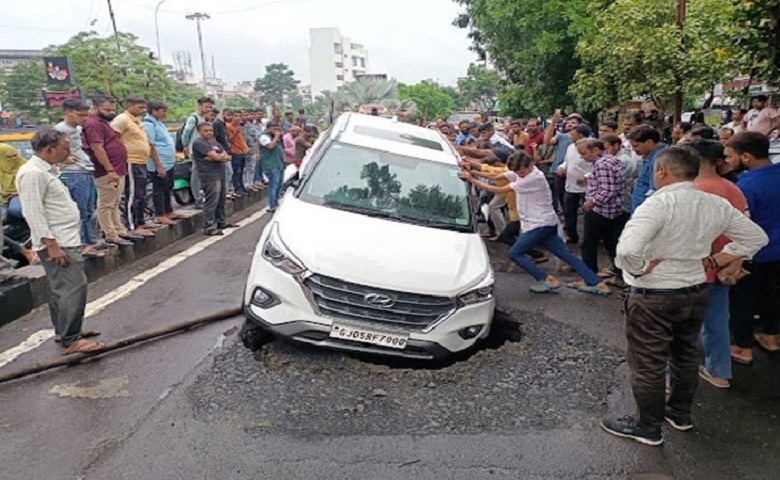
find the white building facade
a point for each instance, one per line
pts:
(334, 60)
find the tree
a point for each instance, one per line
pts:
(277, 85)
(100, 65)
(532, 43)
(459, 102)
(481, 87)
(757, 36)
(657, 55)
(238, 102)
(430, 99)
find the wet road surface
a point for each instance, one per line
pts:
(199, 405)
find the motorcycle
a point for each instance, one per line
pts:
(16, 230)
(182, 192)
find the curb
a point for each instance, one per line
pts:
(19, 299)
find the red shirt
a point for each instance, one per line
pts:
(537, 138)
(97, 130)
(725, 189)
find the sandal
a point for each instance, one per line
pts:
(593, 290)
(84, 346)
(544, 287)
(762, 346)
(606, 273)
(93, 254)
(213, 232)
(84, 334)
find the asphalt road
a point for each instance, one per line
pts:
(198, 405)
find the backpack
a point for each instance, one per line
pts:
(179, 143)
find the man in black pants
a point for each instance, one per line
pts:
(663, 252)
(210, 160)
(603, 202)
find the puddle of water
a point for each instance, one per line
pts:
(107, 388)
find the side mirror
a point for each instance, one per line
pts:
(290, 177)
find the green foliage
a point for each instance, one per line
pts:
(238, 102)
(277, 86)
(431, 101)
(363, 91)
(116, 66)
(532, 43)
(617, 66)
(481, 87)
(757, 37)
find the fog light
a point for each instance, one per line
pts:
(470, 332)
(263, 299)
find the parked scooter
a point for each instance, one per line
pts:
(16, 230)
(182, 172)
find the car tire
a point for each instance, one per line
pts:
(253, 336)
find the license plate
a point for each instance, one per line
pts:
(354, 334)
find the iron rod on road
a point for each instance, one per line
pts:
(141, 337)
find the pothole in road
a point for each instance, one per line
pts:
(554, 378)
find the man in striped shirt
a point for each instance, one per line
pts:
(603, 201)
(55, 226)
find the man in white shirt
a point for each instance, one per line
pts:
(575, 169)
(55, 224)
(737, 117)
(540, 226)
(663, 253)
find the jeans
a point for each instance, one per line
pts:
(661, 331)
(548, 238)
(135, 195)
(572, 203)
(162, 189)
(67, 294)
(229, 177)
(82, 191)
(599, 228)
(14, 207)
(274, 187)
(238, 162)
(756, 294)
(213, 202)
(258, 177)
(715, 339)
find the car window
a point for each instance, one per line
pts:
(380, 183)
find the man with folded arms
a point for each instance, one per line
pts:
(663, 253)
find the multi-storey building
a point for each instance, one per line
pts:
(334, 60)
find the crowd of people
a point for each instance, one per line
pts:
(690, 226)
(97, 163)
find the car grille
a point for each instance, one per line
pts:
(343, 300)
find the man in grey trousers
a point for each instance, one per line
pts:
(55, 225)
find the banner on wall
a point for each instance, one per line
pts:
(58, 70)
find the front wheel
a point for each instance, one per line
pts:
(253, 336)
(183, 196)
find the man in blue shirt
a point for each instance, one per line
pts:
(646, 142)
(463, 129)
(562, 141)
(162, 158)
(757, 294)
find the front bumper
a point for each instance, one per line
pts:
(293, 316)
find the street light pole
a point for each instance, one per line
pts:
(157, 29)
(678, 96)
(198, 16)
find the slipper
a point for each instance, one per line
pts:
(606, 273)
(742, 361)
(84, 346)
(543, 287)
(213, 233)
(712, 379)
(93, 254)
(593, 290)
(765, 349)
(84, 334)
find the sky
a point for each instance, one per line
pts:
(410, 40)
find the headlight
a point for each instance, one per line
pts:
(277, 254)
(478, 295)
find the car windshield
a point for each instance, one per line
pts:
(383, 184)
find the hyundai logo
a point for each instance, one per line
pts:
(378, 300)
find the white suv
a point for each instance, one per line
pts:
(374, 250)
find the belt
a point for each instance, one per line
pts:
(669, 292)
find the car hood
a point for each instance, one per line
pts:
(382, 253)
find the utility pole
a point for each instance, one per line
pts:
(157, 29)
(198, 16)
(113, 22)
(678, 96)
